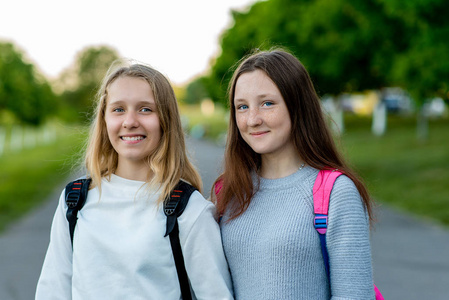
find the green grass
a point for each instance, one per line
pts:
(400, 170)
(28, 177)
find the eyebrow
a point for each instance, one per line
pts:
(119, 102)
(258, 96)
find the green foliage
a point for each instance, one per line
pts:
(22, 91)
(423, 67)
(346, 45)
(29, 177)
(82, 80)
(195, 91)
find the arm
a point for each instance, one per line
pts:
(203, 252)
(55, 281)
(348, 243)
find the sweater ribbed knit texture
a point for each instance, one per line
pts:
(273, 249)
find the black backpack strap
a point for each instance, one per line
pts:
(173, 207)
(75, 197)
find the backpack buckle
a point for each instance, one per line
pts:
(72, 199)
(171, 204)
(320, 223)
(170, 207)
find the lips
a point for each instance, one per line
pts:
(258, 133)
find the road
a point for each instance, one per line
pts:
(410, 256)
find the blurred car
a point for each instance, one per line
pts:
(396, 100)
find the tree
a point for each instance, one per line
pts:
(345, 45)
(81, 81)
(423, 67)
(23, 91)
(195, 91)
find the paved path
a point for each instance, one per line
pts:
(410, 256)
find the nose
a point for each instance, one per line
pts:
(130, 121)
(254, 117)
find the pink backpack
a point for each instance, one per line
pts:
(321, 194)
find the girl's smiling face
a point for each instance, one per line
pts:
(262, 115)
(132, 121)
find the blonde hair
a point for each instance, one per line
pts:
(168, 162)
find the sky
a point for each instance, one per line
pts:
(177, 37)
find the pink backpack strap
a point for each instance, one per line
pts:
(379, 295)
(321, 194)
(218, 186)
(322, 190)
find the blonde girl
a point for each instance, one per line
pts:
(135, 156)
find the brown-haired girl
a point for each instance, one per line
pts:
(278, 140)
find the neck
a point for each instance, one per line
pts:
(134, 171)
(278, 167)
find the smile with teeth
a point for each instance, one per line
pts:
(132, 138)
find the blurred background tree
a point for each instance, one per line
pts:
(79, 83)
(422, 67)
(24, 93)
(195, 91)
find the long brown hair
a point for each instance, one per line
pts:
(310, 132)
(169, 161)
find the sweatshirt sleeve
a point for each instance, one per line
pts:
(55, 281)
(348, 243)
(203, 252)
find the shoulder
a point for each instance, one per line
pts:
(198, 210)
(344, 188)
(344, 182)
(345, 200)
(197, 204)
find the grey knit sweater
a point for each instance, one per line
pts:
(273, 249)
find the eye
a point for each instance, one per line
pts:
(118, 109)
(242, 107)
(146, 109)
(268, 103)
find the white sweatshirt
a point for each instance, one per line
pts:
(120, 252)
